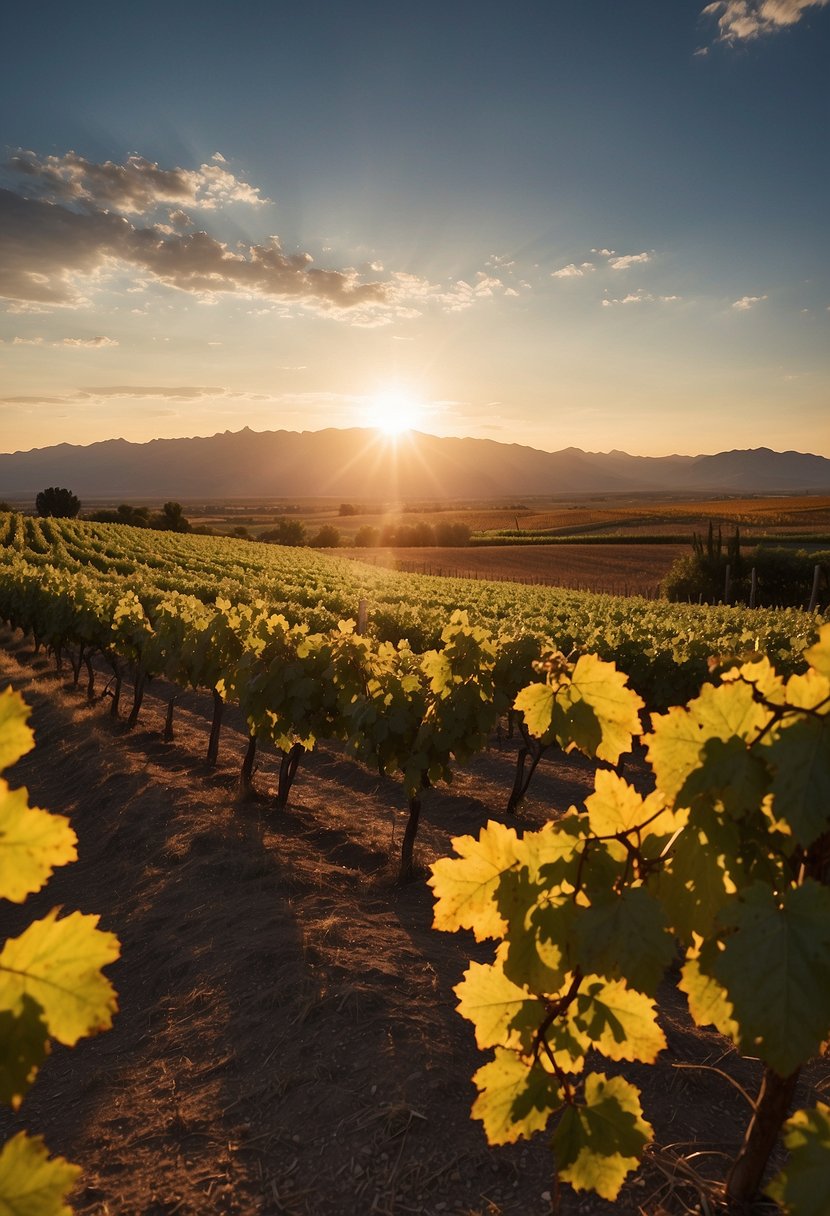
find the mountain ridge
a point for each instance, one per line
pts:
(362, 463)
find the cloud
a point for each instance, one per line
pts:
(640, 297)
(136, 187)
(73, 343)
(81, 224)
(629, 259)
(747, 302)
(744, 19)
(572, 271)
(179, 392)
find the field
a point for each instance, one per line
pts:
(611, 514)
(287, 1041)
(616, 569)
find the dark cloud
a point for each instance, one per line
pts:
(46, 250)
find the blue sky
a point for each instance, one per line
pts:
(594, 224)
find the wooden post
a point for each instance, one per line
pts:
(726, 584)
(362, 616)
(814, 595)
(753, 588)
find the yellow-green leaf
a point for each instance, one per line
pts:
(58, 963)
(32, 843)
(517, 1097)
(503, 1014)
(16, 737)
(818, 655)
(32, 1184)
(597, 712)
(616, 807)
(536, 703)
(465, 886)
(598, 1144)
(622, 1023)
(802, 1187)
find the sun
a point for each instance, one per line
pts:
(393, 411)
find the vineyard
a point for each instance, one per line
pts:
(309, 663)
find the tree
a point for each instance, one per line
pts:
(171, 519)
(57, 502)
(286, 532)
(327, 538)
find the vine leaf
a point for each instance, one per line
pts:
(625, 936)
(517, 1097)
(597, 1145)
(503, 1013)
(818, 655)
(465, 886)
(800, 757)
(774, 963)
(16, 737)
(621, 1023)
(57, 963)
(30, 1183)
(700, 749)
(32, 843)
(25, 1042)
(616, 807)
(803, 1185)
(594, 711)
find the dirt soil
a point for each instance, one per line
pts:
(287, 1041)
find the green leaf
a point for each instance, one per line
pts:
(16, 737)
(598, 1144)
(25, 1043)
(465, 886)
(698, 880)
(30, 1183)
(503, 1014)
(57, 963)
(625, 936)
(802, 1187)
(774, 963)
(32, 843)
(800, 756)
(517, 1097)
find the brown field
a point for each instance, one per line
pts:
(287, 1043)
(626, 514)
(616, 569)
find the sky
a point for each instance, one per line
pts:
(594, 224)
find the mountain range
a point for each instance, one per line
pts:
(361, 464)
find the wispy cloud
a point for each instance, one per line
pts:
(640, 297)
(572, 271)
(747, 302)
(739, 20)
(99, 343)
(629, 259)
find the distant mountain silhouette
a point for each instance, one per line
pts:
(361, 464)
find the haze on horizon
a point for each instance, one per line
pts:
(595, 225)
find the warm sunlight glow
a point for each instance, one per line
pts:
(394, 411)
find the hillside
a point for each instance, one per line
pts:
(362, 463)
